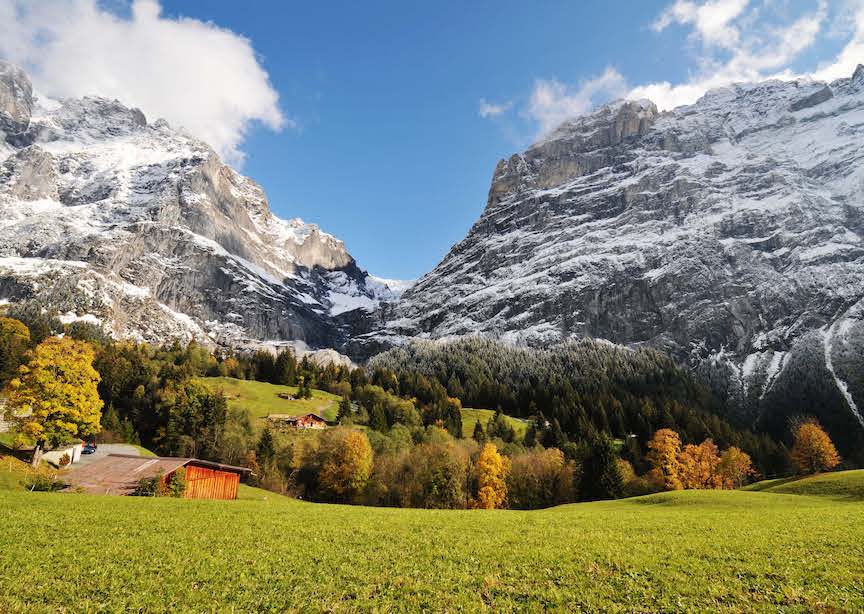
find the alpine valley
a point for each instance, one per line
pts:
(727, 233)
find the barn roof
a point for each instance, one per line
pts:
(119, 474)
(292, 418)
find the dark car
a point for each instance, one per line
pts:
(89, 448)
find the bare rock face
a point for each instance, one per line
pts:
(16, 100)
(729, 233)
(141, 228)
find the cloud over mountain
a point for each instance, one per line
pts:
(196, 75)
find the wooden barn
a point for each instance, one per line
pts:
(120, 474)
(306, 421)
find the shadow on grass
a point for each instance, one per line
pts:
(769, 484)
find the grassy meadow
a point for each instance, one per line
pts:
(719, 551)
(261, 398)
(470, 417)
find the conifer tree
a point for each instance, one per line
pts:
(479, 434)
(265, 451)
(601, 474)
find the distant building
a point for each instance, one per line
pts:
(120, 474)
(306, 421)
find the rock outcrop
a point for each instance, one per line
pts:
(16, 100)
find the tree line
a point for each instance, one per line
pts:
(600, 421)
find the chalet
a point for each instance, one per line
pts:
(120, 474)
(306, 421)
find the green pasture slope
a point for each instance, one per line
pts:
(261, 398)
(471, 416)
(716, 551)
(840, 485)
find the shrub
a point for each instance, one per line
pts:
(43, 482)
(149, 487)
(65, 460)
(177, 484)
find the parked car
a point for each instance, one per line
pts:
(89, 448)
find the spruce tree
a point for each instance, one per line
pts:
(601, 478)
(530, 439)
(265, 452)
(479, 434)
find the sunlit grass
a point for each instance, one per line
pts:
(685, 551)
(261, 398)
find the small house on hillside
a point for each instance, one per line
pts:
(120, 474)
(306, 421)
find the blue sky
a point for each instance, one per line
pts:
(391, 116)
(390, 153)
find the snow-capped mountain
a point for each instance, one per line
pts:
(139, 226)
(728, 232)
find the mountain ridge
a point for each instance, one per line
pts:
(141, 227)
(726, 233)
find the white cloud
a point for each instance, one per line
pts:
(553, 102)
(194, 74)
(735, 41)
(851, 55)
(712, 21)
(490, 109)
(747, 50)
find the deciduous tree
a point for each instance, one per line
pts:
(698, 466)
(734, 468)
(346, 463)
(813, 450)
(663, 451)
(55, 396)
(492, 470)
(14, 340)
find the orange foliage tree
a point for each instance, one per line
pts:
(813, 450)
(663, 451)
(734, 468)
(346, 463)
(698, 466)
(492, 470)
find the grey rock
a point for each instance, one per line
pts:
(723, 232)
(16, 100)
(812, 100)
(143, 228)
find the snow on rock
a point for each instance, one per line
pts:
(165, 239)
(735, 225)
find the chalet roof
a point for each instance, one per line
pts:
(291, 418)
(119, 474)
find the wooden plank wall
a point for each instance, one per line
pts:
(206, 483)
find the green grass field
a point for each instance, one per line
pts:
(261, 398)
(470, 417)
(685, 551)
(840, 485)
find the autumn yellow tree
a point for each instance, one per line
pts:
(734, 468)
(663, 451)
(346, 463)
(14, 340)
(54, 397)
(492, 471)
(698, 466)
(813, 450)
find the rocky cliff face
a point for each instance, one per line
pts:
(728, 233)
(138, 226)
